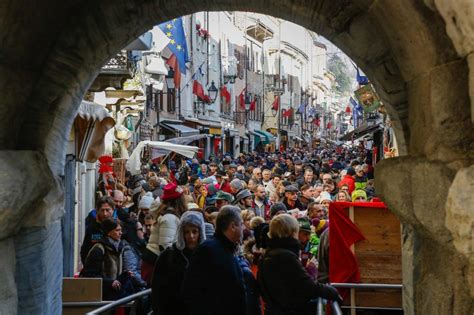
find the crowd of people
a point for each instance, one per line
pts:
(225, 236)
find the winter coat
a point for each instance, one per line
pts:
(132, 263)
(251, 288)
(167, 279)
(298, 205)
(92, 236)
(285, 285)
(213, 284)
(323, 257)
(163, 233)
(106, 261)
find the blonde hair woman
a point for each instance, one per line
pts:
(293, 289)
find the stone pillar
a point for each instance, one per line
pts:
(31, 205)
(435, 273)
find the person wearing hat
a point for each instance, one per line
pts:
(236, 186)
(105, 260)
(291, 198)
(163, 231)
(244, 199)
(359, 195)
(309, 246)
(348, 180)
(172, 264)
(223, 199)
(144, 206)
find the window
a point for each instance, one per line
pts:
(171, 101)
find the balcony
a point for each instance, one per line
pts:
(115, 72)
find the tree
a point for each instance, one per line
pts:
(340, 71)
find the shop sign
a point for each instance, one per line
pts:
(367, 97)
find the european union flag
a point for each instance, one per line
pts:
(175, 32)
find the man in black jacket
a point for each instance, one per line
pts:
(213, 283)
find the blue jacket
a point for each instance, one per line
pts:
(213, 283)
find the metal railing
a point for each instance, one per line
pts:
(336, 309)
(114, 304)
(380, 286)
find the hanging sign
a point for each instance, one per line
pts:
(367, 97)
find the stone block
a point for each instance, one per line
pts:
(25, 179)
(39, 269)
(460, 216)
(459, 23)
(8, 294)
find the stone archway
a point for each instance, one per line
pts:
(54, 51)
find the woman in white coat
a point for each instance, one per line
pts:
(163, 231)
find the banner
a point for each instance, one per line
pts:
(367, 97)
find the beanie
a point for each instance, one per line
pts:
(145, 202)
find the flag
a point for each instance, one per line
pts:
(225, 94)
(317, 122)
(301, 109)
(242, 98)
(288, 113)
(362, 79)
(253, 104)
(276, 103)
(343, 266)
(173, 63)
(348, 109)
(329, 125)
(175, 32)
(198, 90)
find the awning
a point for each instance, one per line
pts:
(144, 42)
(90, 126)
(258, 137)
(268, 136)
(359, 132)
(181, 130)
(186, 140)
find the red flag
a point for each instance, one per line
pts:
(348, 109)
(225, 93)
(288, 113)
(198, 90)
(276, 103)
(329, 125)
(242, 99)
(343, 233)
(253, 105)
(317, 122)
(173, 63)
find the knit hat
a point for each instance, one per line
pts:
(108, 225)
(357, 194)
(324, 196)
(145, 202)
(210, 230)
(171, 191)
(320, 225)
(190, 218)
(237, 184)
(278, 207)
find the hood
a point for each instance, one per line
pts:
(190, 218)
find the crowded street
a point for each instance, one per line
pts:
(237, 157)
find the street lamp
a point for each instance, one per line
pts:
(212, 90)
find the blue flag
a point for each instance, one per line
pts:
(362, 79)
(175, 32)
(301, 109)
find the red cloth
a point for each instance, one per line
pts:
(349, 180)
(343, 233)
(276, 103)
(242, 99)
(173, 63)
(253, 105)
(198, 90)
(225, 94)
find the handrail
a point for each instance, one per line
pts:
(367, 286)
(114, 304)
(334, 306)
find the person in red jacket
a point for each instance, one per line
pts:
(349, 180)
